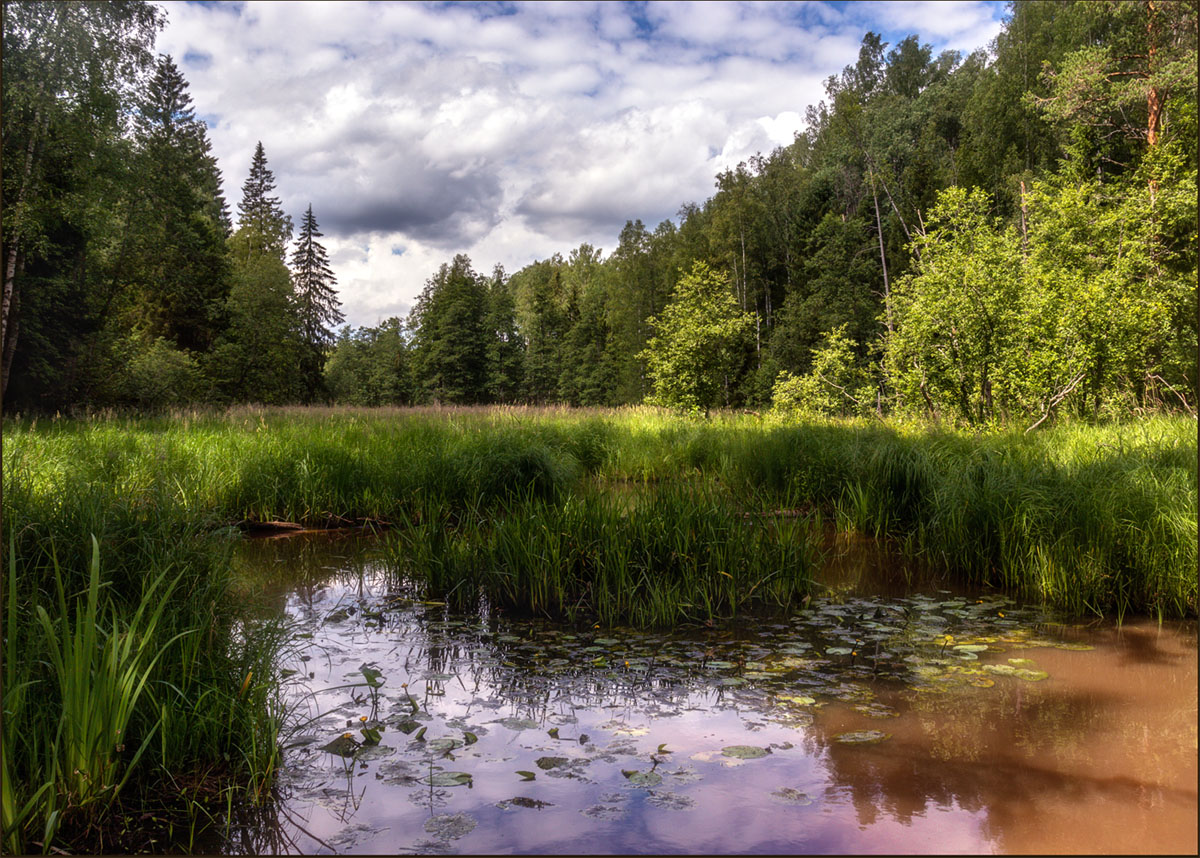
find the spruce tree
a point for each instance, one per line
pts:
(260, 217)
(178, 220)
(316, 300)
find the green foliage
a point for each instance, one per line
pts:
(256, 357)
(699, 343)
(370, 366)
(316, 304)
(156, 375)
(449, 350)
(835, 386)
(1083, 311)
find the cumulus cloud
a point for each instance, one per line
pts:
(510, 131)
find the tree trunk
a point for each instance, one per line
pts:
(887, 291)
(10, 340)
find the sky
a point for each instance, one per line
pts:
(512, 131)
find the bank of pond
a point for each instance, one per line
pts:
(147, 690)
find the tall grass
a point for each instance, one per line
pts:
(655, 559)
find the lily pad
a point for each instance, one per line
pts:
(792, 796)
(671, 800)
(745, 752)
(447, 779)
(522, 801)
(643, 779)
(1030, 675)
(450, 826)
(799, 700)
(519, 723)
(603, 811)
(547, 763)
(862, 737)
(343, 746)
(374, 752)
(440, 746)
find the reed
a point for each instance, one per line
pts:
(655, 558)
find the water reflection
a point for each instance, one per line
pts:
(1004, 731)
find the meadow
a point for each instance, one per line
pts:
(139, 678)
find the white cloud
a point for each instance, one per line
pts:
(509, 132)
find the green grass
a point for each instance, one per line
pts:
(652, 559)
(626, 516)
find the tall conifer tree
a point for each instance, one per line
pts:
(178, 217)
(260, 215)
(316, 299)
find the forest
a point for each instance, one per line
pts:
(1003, 237)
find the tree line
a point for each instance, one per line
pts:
(125, 283)
(1007, 235)
(1002, 236)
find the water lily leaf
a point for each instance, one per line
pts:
(745, 752)
(1030, 675)
(519, 723)
(1075, 647)
(552, 732)
(1000, 669)
(440, 746)
(522, 801)
(450, 826)
(799, 700)
(862, 737)
(721, 665)
(1021, 662)
(526, 776)
(877, 710)
(662, 749)
(371, 735)
(605, 641)
(547, 763)
(837, 650)
(469, 738)
(374, 752)
(671, 800)
(420, 737)
(407, 725)
(447, 779)
(792, 796)
(343, 746)
(643, 779)
(603, 811)
(970, 647)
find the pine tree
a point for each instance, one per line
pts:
(316, 299)
(260, 217)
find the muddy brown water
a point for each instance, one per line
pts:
(923, 720)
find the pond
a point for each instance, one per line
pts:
(925, 720)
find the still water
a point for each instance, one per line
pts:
(926, 720)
